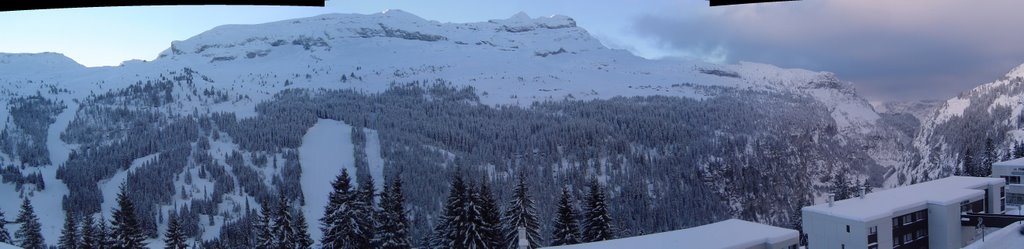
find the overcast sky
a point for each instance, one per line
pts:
(906, 49)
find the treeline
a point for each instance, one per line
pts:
(24, 132)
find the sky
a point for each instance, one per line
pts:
(890, 50)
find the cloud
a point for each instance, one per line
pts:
(906, 49)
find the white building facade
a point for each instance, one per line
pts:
(1012, 171)
(924, 215)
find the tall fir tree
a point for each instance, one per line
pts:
(393, 224)
(283, 230)
(105, 236)
(174, 238)
(69, 236)
(90, 235)
(125, 227)
(302, 238)
(841, 186)
(491, 215)
(477, 230)
(450, 230)
(1018, 150)
(567, 229)
(367, 195)
(263, 227)
(345, 223)
(5, 236)
(520, 213)
(598, 223)
(969, 168)
(29, 233)
(991, 157)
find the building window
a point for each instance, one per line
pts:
(921, 233)
(908, 237)
(896, 241)
(873, 230)
(896, 222)
(847, 228)
(907, 219)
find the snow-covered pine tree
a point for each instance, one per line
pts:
(283, 231)
(90, 235)
(30, 231)
(345, 221)
(264, 234)
(597, 226)
(105, 238)
(393, 225)
(841, 186)
(968, 163)
(566, 227)
(449, 232)
(990, 157)
(174, 238)
(69, 236)
(302, 239)
(5, 236)
(477, 230)
(125, 230)
(366, 195)
(520, 213)
(491, 215)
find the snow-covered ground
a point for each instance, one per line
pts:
(111, 187)
(1008, 237)
(326, 149)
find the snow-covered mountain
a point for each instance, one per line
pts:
(223, 121)
(962, 126)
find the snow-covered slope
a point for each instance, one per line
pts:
(233, 68)
(962, 126)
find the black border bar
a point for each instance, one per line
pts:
(15, 5)
(714, 3)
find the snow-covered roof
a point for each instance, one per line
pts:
(885, 203)
(1011, 163)
(732, 233)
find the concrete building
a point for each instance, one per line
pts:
(728, 234)
(1011, 171)
(923, 215)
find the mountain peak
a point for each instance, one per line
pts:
(520, 16)
(1016, 72)
(20, 62)
(397, 13)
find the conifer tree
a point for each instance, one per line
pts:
(104, 235)
(125, 230)
(491, 215)
(477, 230)
(174, 238)
(345, 223)
(393, 225)
(366, 196)
(990, 157)
(521, 213)
(449, 232)
(69, 235)
(566, 227)
(283, 231)
(5, 236)
(90, 235)
(597, 226)
(303, 241)
(30, 231)
(263, 227)
(968, 162)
